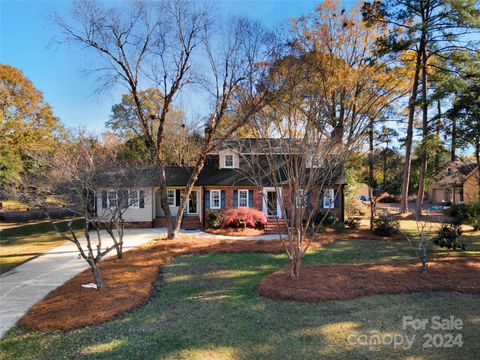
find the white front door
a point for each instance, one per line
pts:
(271, 202)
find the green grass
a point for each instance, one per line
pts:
(206, 307)
(469, 237)
(23, 242)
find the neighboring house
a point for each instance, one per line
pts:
(457, 184)
(220, 186)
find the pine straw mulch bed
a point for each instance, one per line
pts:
(236, 232)
(344, 282)
(130, 281)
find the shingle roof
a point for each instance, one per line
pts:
(456, 172)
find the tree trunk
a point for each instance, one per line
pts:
(408, 143)
(191, 182)
(295, 266)
(438, 126)
(424, 154)
(371, 177)
(164, 200)
(453, 147)
(97, 274)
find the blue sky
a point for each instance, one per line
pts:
(25, 33)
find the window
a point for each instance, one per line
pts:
(171, 198)
(215, 199)
(242, 198)
(329, 199)
(112, 199)
(300, 198)
(229, 161)
(192, 203)
(449, 171)
(134, 199)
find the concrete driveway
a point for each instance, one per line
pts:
(25, 285)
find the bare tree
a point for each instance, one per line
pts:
(76, 171)
(137, 45)
(236, 86)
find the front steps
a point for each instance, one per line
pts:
(275, 227)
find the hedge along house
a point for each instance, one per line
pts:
(221, 185)
(457, 184)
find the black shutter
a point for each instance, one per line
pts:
(222, 201)
(207, 199)
(142, 199)
(177, 197)
(235, 198)
(104, 199)
(250, 198)
(336, 194)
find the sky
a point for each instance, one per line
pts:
(25, 34)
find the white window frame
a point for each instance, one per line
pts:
(247, 198)
(174, 197)
(109, 206)
(130, 203)
(331, 197)
(212, 206)
(225, 161)
(300, 196)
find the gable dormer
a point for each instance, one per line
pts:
(228, 160)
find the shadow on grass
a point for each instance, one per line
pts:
(206, 307)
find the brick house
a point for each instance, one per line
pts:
(221, 185)
(458, 183)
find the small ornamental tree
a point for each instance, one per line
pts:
(75, 172)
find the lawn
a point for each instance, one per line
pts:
(205, 306)
(23, 242)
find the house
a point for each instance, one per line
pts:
(221, 185)
(457, 184)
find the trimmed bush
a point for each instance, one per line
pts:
(326, 219)
(385, 225)
(447, 237)
(465, 214)
(352, 223)
(244, 217)
(214, 220)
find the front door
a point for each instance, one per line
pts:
(272, 203)
(193, 203)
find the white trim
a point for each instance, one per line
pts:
(278, 191)
(248, 199)
(174, 197)
(219, 192)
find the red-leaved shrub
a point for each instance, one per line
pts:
(244, 217)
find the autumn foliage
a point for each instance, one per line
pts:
(244, 217)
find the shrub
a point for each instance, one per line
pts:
(447, 237)
(214, 220)
(327, 219)
(244, 217)
(352, 223)
(385, 225)
(339, 227)
(459, 213)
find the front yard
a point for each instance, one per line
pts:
(205, 306)
(23, 242)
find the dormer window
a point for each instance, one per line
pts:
(229, 161)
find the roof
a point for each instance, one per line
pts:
(456, 172)
(254, 145)
(211, 175)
